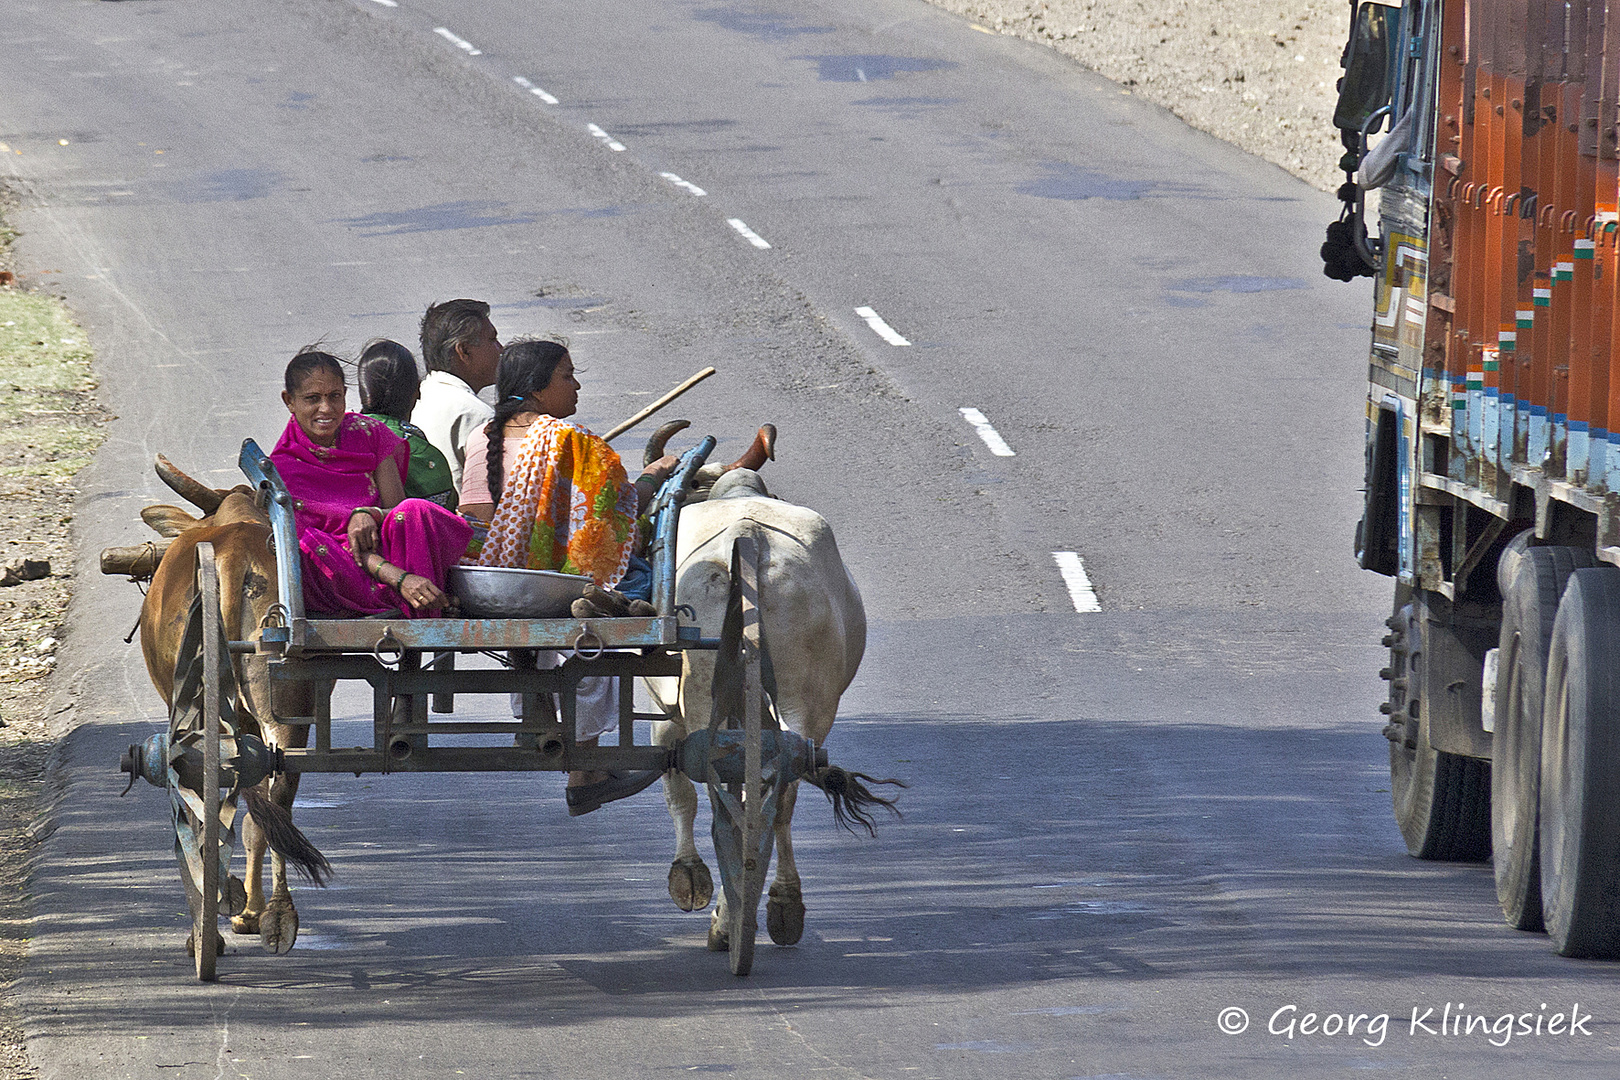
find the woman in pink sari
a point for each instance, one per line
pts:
(367, 550)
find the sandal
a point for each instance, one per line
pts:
(584, 798)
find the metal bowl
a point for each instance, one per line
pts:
(499, 592)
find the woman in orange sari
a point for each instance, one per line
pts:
(556, 497)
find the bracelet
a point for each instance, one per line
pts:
(375, 513)
(651, 479)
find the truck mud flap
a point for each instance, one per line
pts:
(1378, 531)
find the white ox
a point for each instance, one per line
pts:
(811, 616)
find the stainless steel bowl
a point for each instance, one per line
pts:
(498, 592)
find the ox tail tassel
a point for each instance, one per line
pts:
(851, 799)
(285, 838)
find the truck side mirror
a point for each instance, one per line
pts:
(1365, 87)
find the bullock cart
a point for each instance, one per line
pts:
(211, 756)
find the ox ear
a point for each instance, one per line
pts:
(168, 521)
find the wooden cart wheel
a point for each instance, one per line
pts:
(744, 813)
(204, 823)
(207, 913)
(745, 914)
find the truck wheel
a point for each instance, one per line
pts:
(1442, 801)
(1530, 594)
(1580, 769)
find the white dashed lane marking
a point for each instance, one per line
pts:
(607, 140)
(992, 438)
(387, 3)
(687, 184)
(535, 90)
(1074, 576)
(460, 43)
(879, 327)
(748, 234)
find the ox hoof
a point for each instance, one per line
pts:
(191, 944)
(690, 885)
(719, 940)
(784, 915)
(233, 898)
(245, 923)
(278, 926)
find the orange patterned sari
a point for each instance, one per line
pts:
(566, 505)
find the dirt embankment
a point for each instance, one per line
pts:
(1258, 73)
(50, 426)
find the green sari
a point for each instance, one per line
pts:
(427, 475)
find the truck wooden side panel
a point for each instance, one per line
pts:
(1497, 289)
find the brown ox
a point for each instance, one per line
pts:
(240, 533)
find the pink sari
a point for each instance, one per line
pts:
(327, 484)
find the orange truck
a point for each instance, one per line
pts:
(1486, 132)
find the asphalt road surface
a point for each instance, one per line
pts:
(1122, 821)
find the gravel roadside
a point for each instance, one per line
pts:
(1261, 74)
(50, 426)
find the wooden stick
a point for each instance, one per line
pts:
(659, 404)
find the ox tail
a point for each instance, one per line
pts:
(285, 838)
(852, 801)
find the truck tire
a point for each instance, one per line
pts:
(1533, 584)
(1442, 801)
(1580, 769)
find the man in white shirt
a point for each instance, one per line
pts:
(460, 348)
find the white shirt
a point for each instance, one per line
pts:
(449, 414)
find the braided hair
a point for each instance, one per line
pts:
(388, 379)
(525, 368)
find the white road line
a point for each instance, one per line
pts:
(387, 3)
(535, 90)
(748, 234)
(1074, 576)
(607, 139)
(460, 43)
(687, 184)
(992, 438)
(879, 327)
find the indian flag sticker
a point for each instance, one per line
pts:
(1543, 298)
(1564, 271)
(1507, 341)
(1524, 319)
(1583, 249)
(1476, 380)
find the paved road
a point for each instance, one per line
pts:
(1122, 821)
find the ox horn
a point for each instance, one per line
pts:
(655, 445)
(203, 498)
(761, 450)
